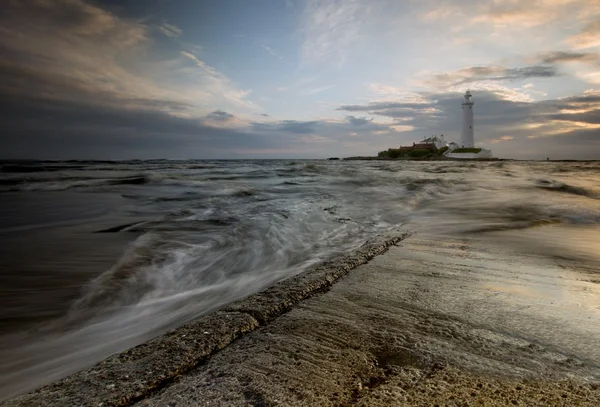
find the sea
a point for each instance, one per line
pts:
(99, 256)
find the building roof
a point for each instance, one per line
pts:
(431, 139)
(415, 146)
(427, 146)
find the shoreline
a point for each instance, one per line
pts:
(135, 374)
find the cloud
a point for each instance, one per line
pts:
(399, 111)
(73, 50)
(69, 47)
(505, 15)
(401, 128)
(588, 37)
(313, 91)
(67, 130)
(294, 126)
(520, 15)
(297, 84)
(220, 116)
(74, 130)
(374, 106)
(387, 92)
(170, 30)
(590, 77)
(489, 73)
(498, 120)
(358, 121)
(97, 83)
(502, 139)
(331, 30)
(569, 56)
(217, 84)
(272, 51)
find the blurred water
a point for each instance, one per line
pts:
(192, 236)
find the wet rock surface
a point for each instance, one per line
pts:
(134, 375)
(432, 322)
(408, 329)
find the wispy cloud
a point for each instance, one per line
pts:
(217, 84)
(272, 52)
(313, 91)
(297, 84)
(170, 30)
(332, 29)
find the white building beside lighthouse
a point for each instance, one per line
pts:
(468, 137)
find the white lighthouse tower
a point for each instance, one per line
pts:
(467, 139)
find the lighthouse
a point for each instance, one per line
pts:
(467, 139)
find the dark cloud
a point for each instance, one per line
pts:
(264, 114)
(592, 117)
(299, 127)
(568, 56)
(357, 121)
(475, 74)
(35, 128)
(220, 116)
(61, 130)
(582, 102)
(67, 50)
(579, 144)
(538, 71)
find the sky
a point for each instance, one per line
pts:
(229, 79)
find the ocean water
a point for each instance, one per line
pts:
(96, 257)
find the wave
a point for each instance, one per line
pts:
(416, 184)
(244, 193)
(566, 188)
(66, 183)
(24, 168)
